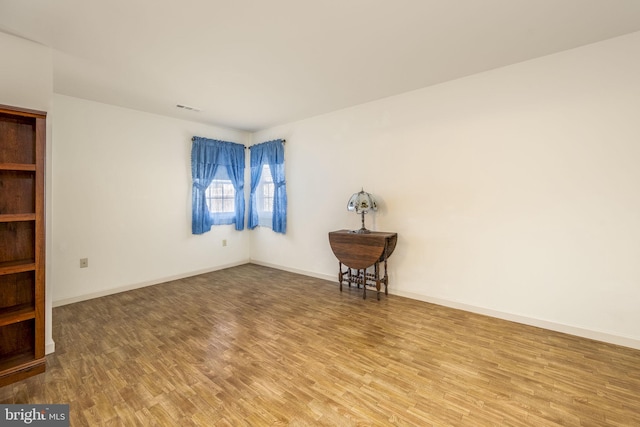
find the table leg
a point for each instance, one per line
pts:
(376, 268)
(386, 278)
(364, 284)
(340, 274)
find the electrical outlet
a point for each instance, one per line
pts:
(84, 262)
(224, 242)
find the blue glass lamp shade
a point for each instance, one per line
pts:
(361, 203)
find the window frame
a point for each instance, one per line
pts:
(227, 198)
(265, 201)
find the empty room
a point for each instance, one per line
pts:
(336, 213)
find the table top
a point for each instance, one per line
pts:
(361, 250)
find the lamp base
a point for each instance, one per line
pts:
(361, 231)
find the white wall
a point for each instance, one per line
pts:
(514, 192)
(26, 80)
(26, 72)
(122, 198)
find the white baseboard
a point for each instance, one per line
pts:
(50, 347)
(552, 326)
(295, 270)
(131, 287)
(545, 324)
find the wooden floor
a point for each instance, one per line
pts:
(256, 346)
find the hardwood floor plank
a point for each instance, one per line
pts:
(256, 346)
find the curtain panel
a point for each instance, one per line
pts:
(269, 153)
(207, 155)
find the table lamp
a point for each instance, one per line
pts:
(362, 203)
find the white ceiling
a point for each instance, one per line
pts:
(252, 64)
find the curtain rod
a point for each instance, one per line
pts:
(284, 141)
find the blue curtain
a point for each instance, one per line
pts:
(207, 155)
(269, 153)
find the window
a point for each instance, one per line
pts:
(264, 197)
(268, 200)
(217, 170)
(221, 196)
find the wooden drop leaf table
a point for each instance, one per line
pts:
(358, 252)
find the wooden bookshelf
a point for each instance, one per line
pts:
(22, 285)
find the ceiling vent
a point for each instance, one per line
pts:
(186, 107)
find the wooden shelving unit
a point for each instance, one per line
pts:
(22, 285)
